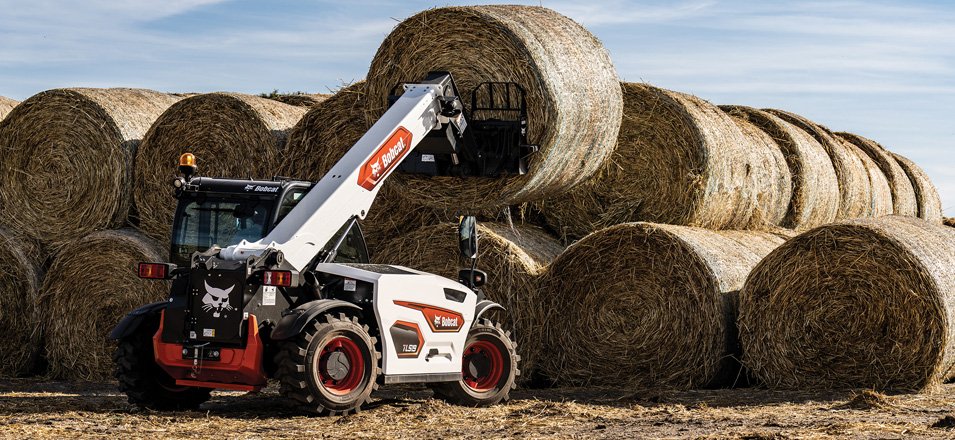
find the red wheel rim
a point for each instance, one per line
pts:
(483, 366)
(341, 366)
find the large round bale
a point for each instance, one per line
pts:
(573, 94)
(855, 191)
(67, 160)
(880, 192)
(929, 202)
(865, 303)
(22, 340)
(232, 135)
(90, 286)
(513, 257)
(679, 160)
(815, 193)
(904, 201)
(300, 99)
(646, 305)
(6, 105)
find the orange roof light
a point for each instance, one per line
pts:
(187, 160)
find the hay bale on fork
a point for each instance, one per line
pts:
(646, 305)
(855, 191)
(232, 135)
(926, 196)
(21, 345)
(815, 192)
(865, 303)
(513, 257)
(679, 160)
(81, 314)
(67, 160)
(904, 201)
(6, 105)
(573, 94)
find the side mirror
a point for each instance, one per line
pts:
(467, 237)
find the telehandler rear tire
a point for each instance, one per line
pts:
(145, 383)
(490, 368)
(331, 368)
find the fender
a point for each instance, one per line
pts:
(131, 322)
(295, 320)
(485, 306)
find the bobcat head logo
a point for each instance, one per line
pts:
(216, 300)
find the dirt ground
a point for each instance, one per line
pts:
(37, 409)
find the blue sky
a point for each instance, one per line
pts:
(885, 70)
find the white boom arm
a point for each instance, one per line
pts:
(350, 187)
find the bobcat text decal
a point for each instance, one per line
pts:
(440, 320)
(387, 157)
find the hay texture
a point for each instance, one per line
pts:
(6, 105)
(855, 191)
(646, 305)
(67, 160)
(949, 221)
(232, 135)
(904, 201)
(815, 186)
(301, 99)
(929, 203)
(880, 192)
(90, 286)
(679, 160)
(20, 275)
(513, 257)
(573, 94)
(858, 304)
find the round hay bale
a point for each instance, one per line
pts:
(880, 192)
(232, 135)
(301, 99)
(573, 94)
(855, 192)
(864, 303)
(904, 201)
(645, 305)
(949, 221)
(67, 160)
(90, 286)
(22, 340)
(6, 105)
(679, 160)
(514, 258)
(929, 203)
(815, 192)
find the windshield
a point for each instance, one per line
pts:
(203, 222)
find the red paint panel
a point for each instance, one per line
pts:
(440, 320)
(388, 156)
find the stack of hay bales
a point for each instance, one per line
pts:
(864, 304)
(904, 201)
(6, 104)
(232, 135)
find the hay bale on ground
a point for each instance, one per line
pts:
(815, 193)
(67, 160)
(926, 196)
(6, 105)
(20, 276)
(301, 99)
(232, 135)
(855, 191)
(904, 201)
(514, 258)
(645, 305)
(679, 160)
(90, 286)
(866, 303)
(573, 93)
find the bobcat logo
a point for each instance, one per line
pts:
(216, 300)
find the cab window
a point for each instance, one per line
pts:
(291, 199)
(352, 249)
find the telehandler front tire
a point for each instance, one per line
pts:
(489, 370)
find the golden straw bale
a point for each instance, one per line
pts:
(864, 303)
(21, 345)
(645, 305)
(929, 202)
(573, 93)
(232, 135)
(80, 315)
(67, 160)
(904, 201)
(815, 193)
(679, 160)
(6, 105)
(855, 191)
